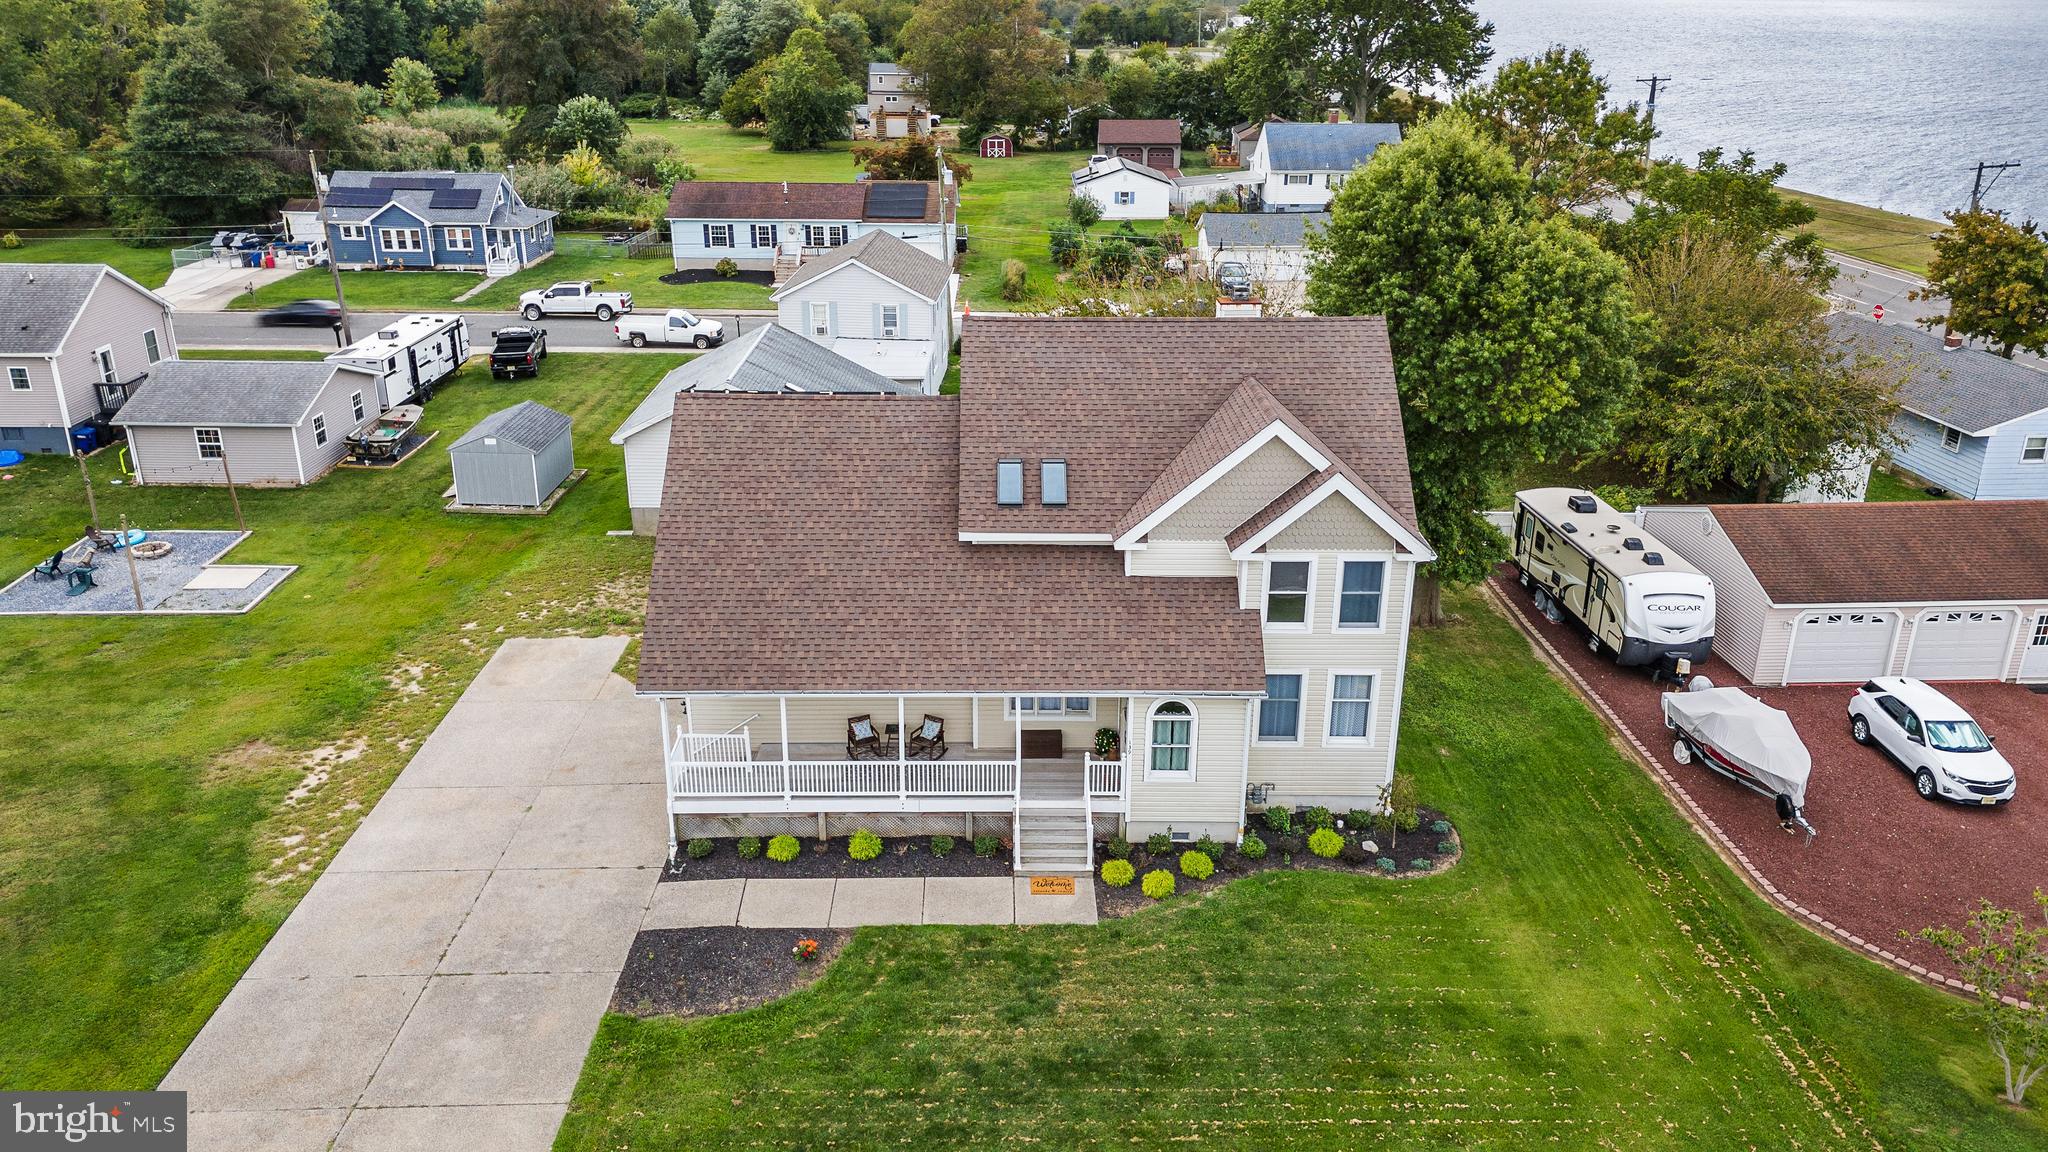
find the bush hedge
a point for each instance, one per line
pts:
(1197, 865)
(699, 848)
(1117, 873)
(986, 846)
(1280, 820)
(942, 846)
(783, 849)
(864, 845)
(749, 847)
(1253, 848)
(1158, 884)
(1325, 843)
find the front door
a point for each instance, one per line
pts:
(2034, 662)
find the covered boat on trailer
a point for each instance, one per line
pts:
(1746, 740)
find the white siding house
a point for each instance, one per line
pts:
(1300, 166)
(265, 423)
(777, 224)
(75, 341)
(1125, 189)
(880, 303)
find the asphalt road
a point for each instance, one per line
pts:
(565, 334)
(1861, 286)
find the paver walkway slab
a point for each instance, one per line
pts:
(513, 862)
(881, 901)
(970, 900)
(1076, 909)
(695, 904)
(787, 904)
(783, 902)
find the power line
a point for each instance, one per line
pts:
(1978, 187)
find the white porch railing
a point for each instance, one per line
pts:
(724, 766)
(1105, 777)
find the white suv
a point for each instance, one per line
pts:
(1933, 739)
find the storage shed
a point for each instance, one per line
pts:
(513, 458)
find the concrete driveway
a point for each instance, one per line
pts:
(439, 985)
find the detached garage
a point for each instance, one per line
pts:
(1838, 593)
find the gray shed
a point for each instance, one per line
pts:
(514, 457)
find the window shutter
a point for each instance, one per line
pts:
(707, 235)
(832, 318)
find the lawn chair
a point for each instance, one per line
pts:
(53, 568)
(101, 542)
(81, 580)
(929, 739)
(863, 738)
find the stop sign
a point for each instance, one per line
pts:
(1877, 312)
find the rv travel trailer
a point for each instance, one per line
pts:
(1585, 561)
(411, 354)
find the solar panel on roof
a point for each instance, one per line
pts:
(421, 183)
(357, 197)
(454, 198)
(897, 201)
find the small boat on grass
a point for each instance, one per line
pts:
(382, 438)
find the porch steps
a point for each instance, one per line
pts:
(785, 267)
(1052, 840)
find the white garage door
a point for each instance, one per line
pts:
(1961, 645)
(1839, 647)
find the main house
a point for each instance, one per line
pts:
(76, 339)
(458, 221)
(879, 302)
(1299, 167)
(763, 224)
(1973, 423)
(1106, 587)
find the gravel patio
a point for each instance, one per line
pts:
(166, 581)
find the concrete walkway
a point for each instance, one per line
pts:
(771, 903)
(439, 985)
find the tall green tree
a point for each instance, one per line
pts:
(774, 20)
(540, 53)
(1293, 51)
(1745, 386)
(1551, 113)
(73, 63)
(846, 34)
(1738, 199)
(728, 44)
(589, 122)
(268, 40)
(195, 153)
(668, 46)
(1995, 276)
(807, 97)
(410, 86)
(362, 37)
(1513, 335)
(983, 62)
(41, 177)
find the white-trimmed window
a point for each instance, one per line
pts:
(354, 231)
(151, 350)
(103, 362)
(459, 239)
(319, 428)
(1361, 594)
(1952, 439)
(763, 235)
(399, 239)
(1351, 699)
(824, 235)
(892, 321)
(1287, 594)
(1172, 744)
(1127, 197)
(821, 318)
(1298, 178)
(17, 379)
(208, 440)
(355, 404)
(718, 235)
(1050, 707)
(1280, 711)
(2035, 450)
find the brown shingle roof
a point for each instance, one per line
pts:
(808, 544)
(784, 200)
(1137, 132)
(1893, 553)
(1122, 401)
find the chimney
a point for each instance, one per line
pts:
(1951, 340)
(1332, 114)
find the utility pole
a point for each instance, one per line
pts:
(320, 198)
(1978, 187)
(92, 506)
(232, 498)
(128, 550)
(1655, 82)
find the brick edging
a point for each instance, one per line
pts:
(1710, 831)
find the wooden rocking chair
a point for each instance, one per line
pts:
(929, 739)
(863, 738)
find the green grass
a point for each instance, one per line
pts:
(148, 847)
(149, 267)
(720, 153)
(1887, 485)
(1873, 234)
(1589, 977)
(399, 291)
(366, 291)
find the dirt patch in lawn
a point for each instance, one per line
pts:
(1885, 861)
(710, 971)
(827, 860)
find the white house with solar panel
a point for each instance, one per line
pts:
(777, 224)
(453, 221)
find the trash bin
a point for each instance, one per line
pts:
(85, 438)
(269, 259)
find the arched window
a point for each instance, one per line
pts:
(1173, 737)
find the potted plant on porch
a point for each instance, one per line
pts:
(1106, 747)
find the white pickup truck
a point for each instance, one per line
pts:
(574, 298)
(675, 326)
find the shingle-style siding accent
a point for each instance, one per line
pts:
(258, 457)
(1335, 525)
(1208, 804)
(1235, 496)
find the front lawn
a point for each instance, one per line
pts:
(1872, 234)
(1886, 485)
(423, 291)
(169, 787)
(366, 291)
(1590, 976)
(149, 267)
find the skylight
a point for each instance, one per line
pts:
(1009, 482)
(1052, 481)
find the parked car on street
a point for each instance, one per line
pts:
(676, 326)
(323, 313)
(518, 351)
(574, 298)
(1930, 736)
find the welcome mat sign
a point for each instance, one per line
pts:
(1052, 885)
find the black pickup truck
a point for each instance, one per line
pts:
(518, 351)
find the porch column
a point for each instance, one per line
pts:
(902, 754)
(668, 815)
(974, 721)
(782, 705)
(1017, 748)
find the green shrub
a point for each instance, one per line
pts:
(638, 106)
(10, 241)
(1280, 820)
(1197, 865)
(1325, 843)
(1420, 863)
(749, 847)
(726, 268)
(1407, 819)
(942, 846)
(1358, 819)
(1386, 863)
(1208, 846)
(1158, 884)
(699, 848)
(864, 845)
(1117, 873)
(1066, 245)
(1317, 817)
(783, 849)
(1253, 848)
(1440, 827)
(1445, 847)
(1084, 211)
(986, 846)
(1118, 848)
(1015, 273)
(1113, 258)
(1159, 843)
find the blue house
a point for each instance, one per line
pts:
(458, 221)
(1973, 422)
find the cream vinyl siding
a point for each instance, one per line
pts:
(821, 719)
(1235, 497)
(1744, 622)
(1181, 558)
(1077, 735)
(646, 471)
(1335, 525)
(258, 456)
(1211, 802)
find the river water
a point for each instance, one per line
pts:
(1889, 103)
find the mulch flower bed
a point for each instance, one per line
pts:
(1431, 848)
(707, 275)
(708, 971)
(909, 856)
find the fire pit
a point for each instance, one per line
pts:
(151, 549)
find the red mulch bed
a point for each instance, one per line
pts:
(1885, 861)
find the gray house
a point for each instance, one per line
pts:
(270, 423)
(514, 457)
(75, 339)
